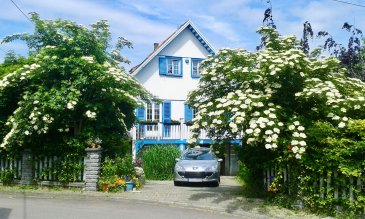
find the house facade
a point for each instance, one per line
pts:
(170, 72)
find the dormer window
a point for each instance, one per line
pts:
(195, 68)
(170, 66)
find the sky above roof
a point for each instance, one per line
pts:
(225, 23)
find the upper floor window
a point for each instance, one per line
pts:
(170, 66)
(195, 67)
(173, 66)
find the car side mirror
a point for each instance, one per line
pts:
(177, 159)
(220, 160)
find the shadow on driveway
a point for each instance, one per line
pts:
(4, 213)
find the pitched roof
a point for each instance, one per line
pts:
(188, 24)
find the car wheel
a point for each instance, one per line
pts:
(177, 183)
(215, 184)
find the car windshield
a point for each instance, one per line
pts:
(198, 155)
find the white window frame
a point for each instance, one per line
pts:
(195, 63)
(174, 66)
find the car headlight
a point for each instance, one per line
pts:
(213, 168)
(178, 167)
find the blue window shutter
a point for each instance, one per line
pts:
(162, 65)
(166, 114)
(140, 113)
(188, 113)
(181, 66)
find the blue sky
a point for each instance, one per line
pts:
(225, 23)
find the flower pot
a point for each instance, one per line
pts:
(129, 186)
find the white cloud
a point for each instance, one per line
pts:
(228, 23)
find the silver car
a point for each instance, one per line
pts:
(197, 165)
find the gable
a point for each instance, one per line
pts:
(188, 25)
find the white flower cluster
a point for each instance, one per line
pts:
(90, 114)
(117, 73)
(19, 75)
(71, 105)
(126, 94)
(264, 126)
(64, 130)
(298, 142)
(8, 136)
(89, 59)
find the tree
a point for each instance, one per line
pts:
(269, 98)
(72, 92)
(350, 55)
(286, 108)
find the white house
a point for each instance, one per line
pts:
(170, 72)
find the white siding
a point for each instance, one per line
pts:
(168, 87)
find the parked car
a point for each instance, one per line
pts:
(197, 165)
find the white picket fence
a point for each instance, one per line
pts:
(7, 164)
(44, 169)
(326, 185)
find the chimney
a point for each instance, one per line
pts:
(155, 45)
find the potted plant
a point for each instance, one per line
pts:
(188, 123)
(172, 122)
(94, 143)
(148, 122)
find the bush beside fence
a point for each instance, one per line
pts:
(331, 190)
(71, 171)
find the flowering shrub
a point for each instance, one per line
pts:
(275, 100)
(116, 172)
(64, 90)
(270, 98)
(112, 184)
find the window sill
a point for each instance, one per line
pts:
(173, 75)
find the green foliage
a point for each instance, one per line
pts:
(60, 94)
(116, 172)
(118, 167)
(159, 161)
(289, 110)
(65, 169)
(251, 181)
(7, 176)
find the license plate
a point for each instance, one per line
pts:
(195, 180)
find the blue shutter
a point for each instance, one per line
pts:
(166, 114)
(181, 66)
(140, 113)
(163, 66)
(188, 113)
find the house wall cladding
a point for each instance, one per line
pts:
(185, 46)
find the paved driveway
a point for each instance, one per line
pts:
(225, 198)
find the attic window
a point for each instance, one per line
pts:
(195, 68)
(170, 66)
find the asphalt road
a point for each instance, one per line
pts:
(22, 206)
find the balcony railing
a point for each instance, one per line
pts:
(162, 131)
